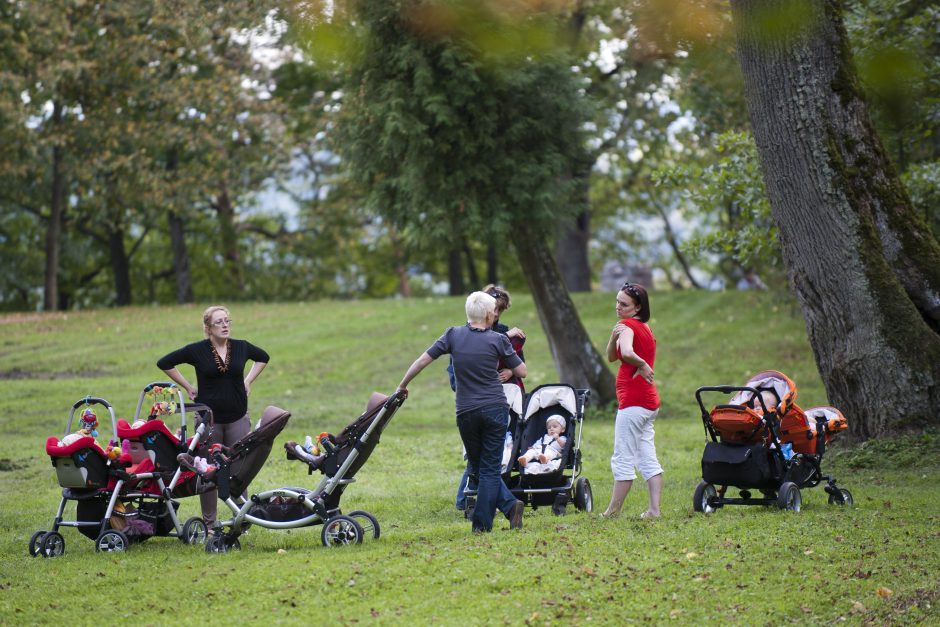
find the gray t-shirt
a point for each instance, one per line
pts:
(476, 353)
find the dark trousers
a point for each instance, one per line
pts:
(483, 432)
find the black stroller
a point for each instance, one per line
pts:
(294, 507)
(761, 440)
(560, 483)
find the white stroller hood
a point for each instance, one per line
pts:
(513, 397)
(548, 396)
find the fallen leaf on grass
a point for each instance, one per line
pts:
(281, 552)
(675, 613)
(858, 608)
(858, 574)
(808, 552)
(691, 556)
(884, 593)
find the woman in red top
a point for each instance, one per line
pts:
(633, 344)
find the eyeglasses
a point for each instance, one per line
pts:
(223, 323)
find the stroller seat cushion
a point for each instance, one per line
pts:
(126, 431)
(54, 449)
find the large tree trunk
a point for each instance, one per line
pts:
(571, 245)
(847, 229)
(121, 267)
(229, 241)
(455, 273)
(57, 208)
(184, 279)
(492, 275)
(577, 360)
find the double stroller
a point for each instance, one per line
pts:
(555, 484)
(761, 440)
(121, 493)
(294, 507)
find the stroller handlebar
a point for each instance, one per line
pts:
(91, 400)
(728, 389)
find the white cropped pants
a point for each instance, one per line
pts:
(633, 444)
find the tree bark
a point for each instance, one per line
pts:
(181, 273)
(455, 273)
(492, 275)
(571, 245)
(471, 267)
(57, 209)
(846, 225)
(120, 266)
(577, 360)
(229, 243)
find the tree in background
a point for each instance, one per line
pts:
(864, 267)
(448, 137)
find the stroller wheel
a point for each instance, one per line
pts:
(843, 498)
(341, 530)
(789, 497)
(111, 540)
(702, 499)
(367, 521)
(35, 543)
(52, 544)
(194, 531)
(583, 498)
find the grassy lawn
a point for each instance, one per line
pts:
(874, 563)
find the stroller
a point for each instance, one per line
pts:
(559, 485)
(104, 483)
(761, 440)
(293, 507)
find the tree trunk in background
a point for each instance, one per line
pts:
(57, 209)
(577, 361)
(571, 245)
(401, 270)
(677, 251)
(120, 267)
(492, 276)
(471, 268)
(235, 279)
(455, 273)
(857, 255)
(184, 279)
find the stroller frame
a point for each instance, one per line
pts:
(574, 489)
(321, 503)
(787, 476)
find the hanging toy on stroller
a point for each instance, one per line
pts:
(761, 440)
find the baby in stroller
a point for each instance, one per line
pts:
(547, 449)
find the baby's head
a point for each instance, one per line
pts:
(770, 401)
(555, 425)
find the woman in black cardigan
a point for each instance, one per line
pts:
(220, 362)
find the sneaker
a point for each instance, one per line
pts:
(515, 515)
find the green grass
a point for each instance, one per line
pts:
(741, 565)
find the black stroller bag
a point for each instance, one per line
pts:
(736, 465)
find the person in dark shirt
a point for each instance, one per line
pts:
(482, 413)
(517, 339)
(221, 383)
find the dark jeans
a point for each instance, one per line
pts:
(483, 432)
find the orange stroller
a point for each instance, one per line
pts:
(761, 440)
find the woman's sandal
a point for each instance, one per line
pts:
(648, 516)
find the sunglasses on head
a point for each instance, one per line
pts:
(631, 289)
